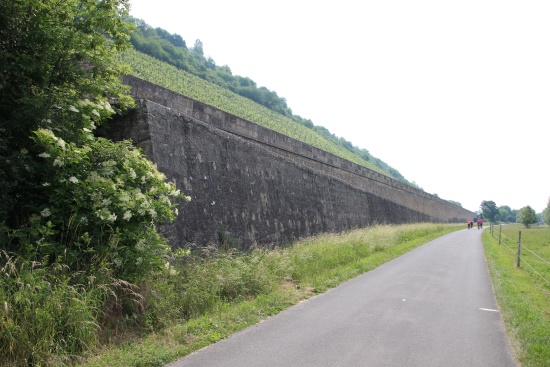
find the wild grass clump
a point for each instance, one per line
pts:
(195, 284)
(44, 315)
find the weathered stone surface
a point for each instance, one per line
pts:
(256, 185)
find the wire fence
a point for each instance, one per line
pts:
(506, 241)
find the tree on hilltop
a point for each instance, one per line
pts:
(198, 48)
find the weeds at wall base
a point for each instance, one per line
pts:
(329, 261)
(192, 302)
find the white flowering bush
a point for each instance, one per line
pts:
(103, 200)
(77, 213)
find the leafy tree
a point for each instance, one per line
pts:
(66, 195)
(176, 40)
(546, 213)
(198, 48)
(527, 216)
(211, 64)
(489, 209)
(53, 54)
(505, 214)
(77, 212)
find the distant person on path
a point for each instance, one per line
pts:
(469, 224)
(479, 224)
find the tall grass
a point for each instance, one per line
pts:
(196, 284)
(44, 318)
(203, 298)
(523, 294)
(50, 317)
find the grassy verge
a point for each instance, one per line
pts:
(208, 298)
(523, 294)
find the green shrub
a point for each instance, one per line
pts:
(69, 268)
(102, 201)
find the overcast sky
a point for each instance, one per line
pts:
(455, 95)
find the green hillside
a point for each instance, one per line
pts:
(164, 59)
(168, 76)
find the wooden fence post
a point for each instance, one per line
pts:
(519, 248)
(499, 234)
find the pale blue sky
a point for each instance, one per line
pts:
(453, 94)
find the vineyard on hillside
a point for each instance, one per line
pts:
(167, 76)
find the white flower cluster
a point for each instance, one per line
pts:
(47, 132)
(127, 215)
(141, 244)
(106, 215)
(107, 168)
(100, 105)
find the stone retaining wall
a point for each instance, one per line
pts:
(258, 186)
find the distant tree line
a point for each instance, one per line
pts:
(172, 49)
(505, 214)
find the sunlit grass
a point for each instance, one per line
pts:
(43, 316)
(523, 293)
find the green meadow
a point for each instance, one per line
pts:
(523, 293)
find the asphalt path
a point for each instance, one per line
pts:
(433, 306)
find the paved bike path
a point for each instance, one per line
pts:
(431, 307)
